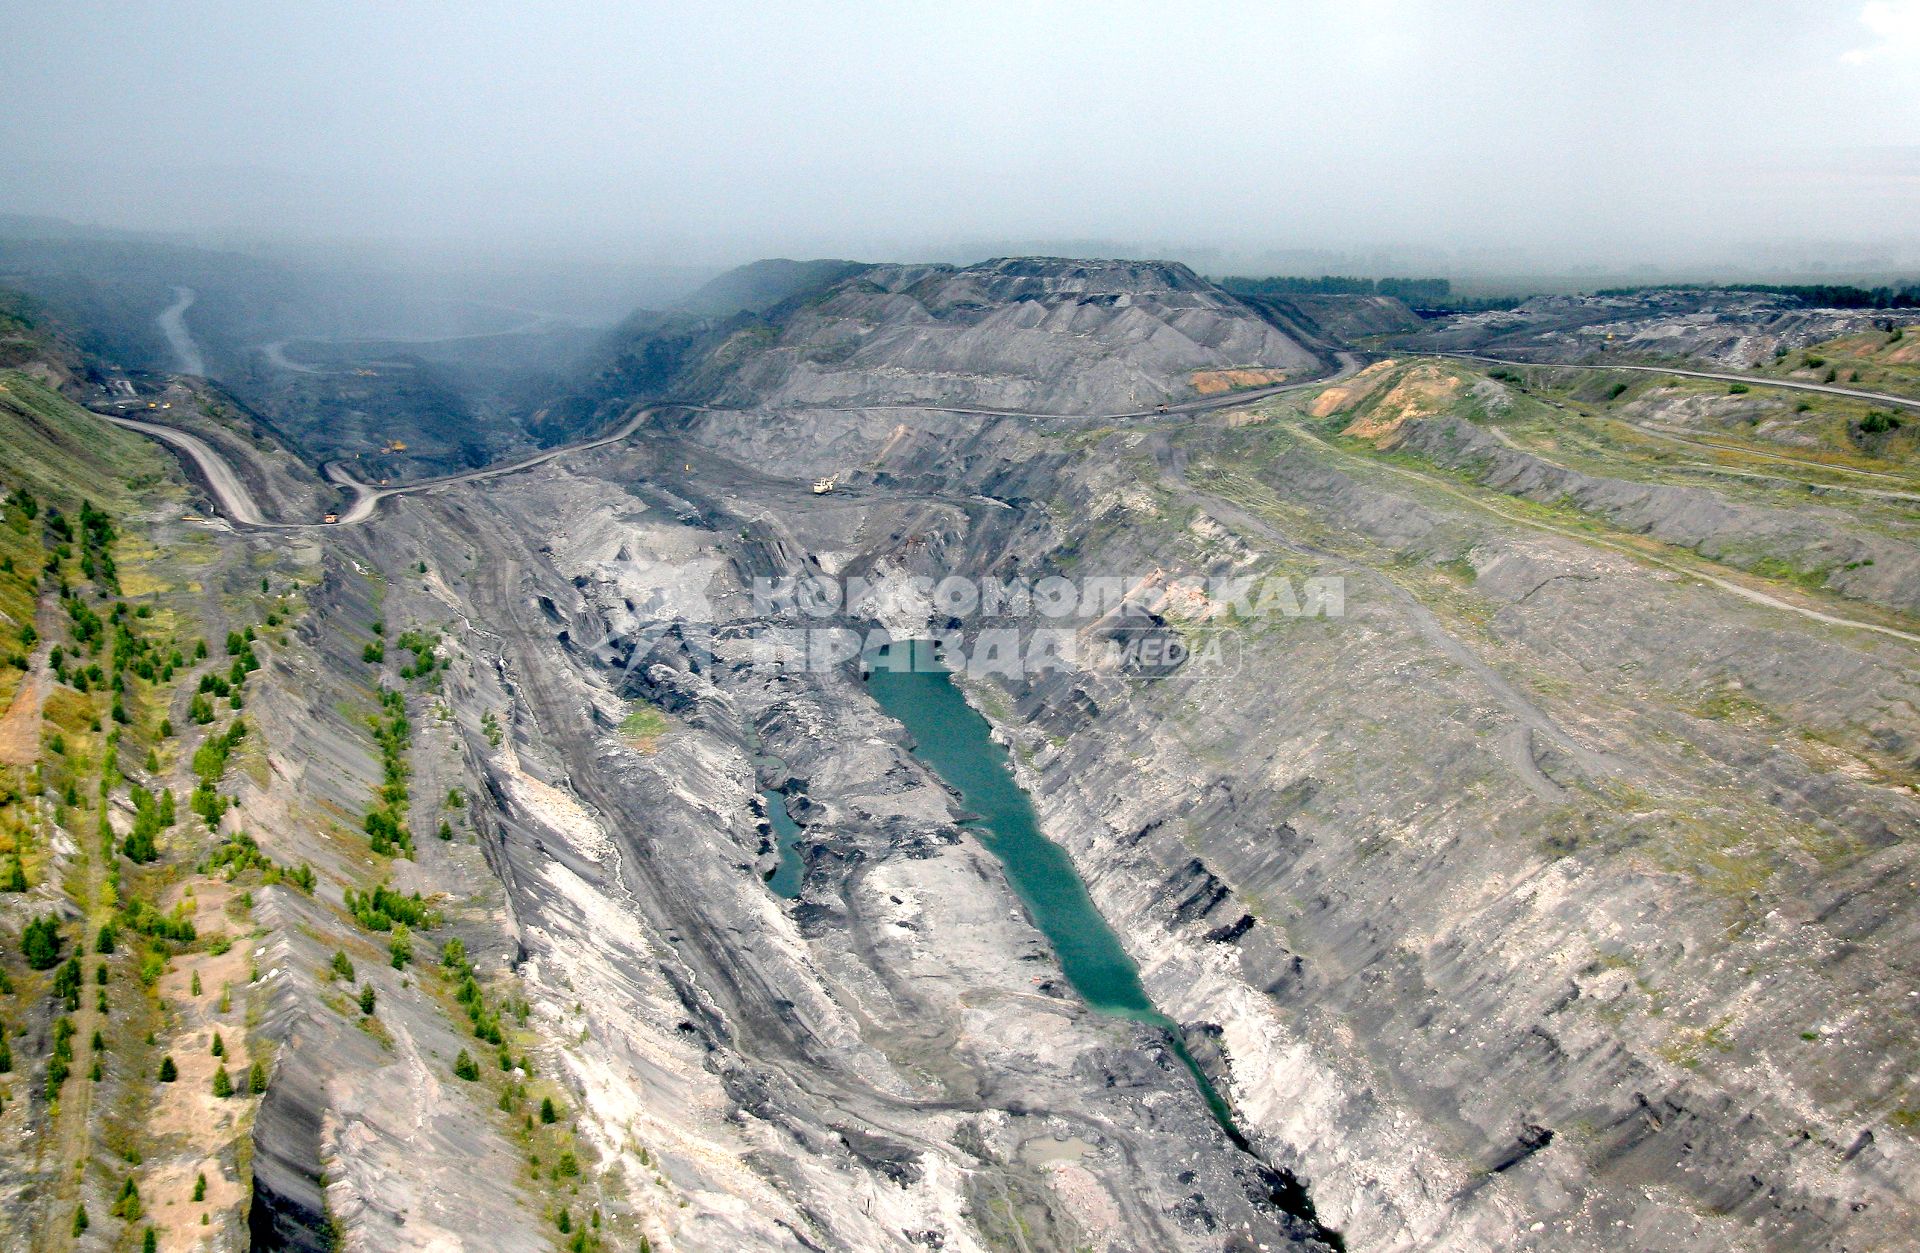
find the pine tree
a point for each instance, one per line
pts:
(41, 942)
(150, 1242)
(80, 1223)
(66, 984)
(139, 846)
(219, 1045)
(222, 1082)
(366, 999)
(257, 1077)
(342, 968)
(464, 1066)
(127, 1206)
(199, 1188)
(168, 1071)
(16, 876)
(548, 1114)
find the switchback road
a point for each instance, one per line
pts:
(237, 503)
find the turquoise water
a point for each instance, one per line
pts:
(954, 739)
(785, 880)
(908, 681)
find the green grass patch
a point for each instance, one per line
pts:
(643, 727)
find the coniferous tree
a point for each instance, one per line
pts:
(127, 1205)
(66, 984)
(41, 942)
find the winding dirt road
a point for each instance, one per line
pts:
(173, 324)
(235, 500)
(368, 497)
(238, 504)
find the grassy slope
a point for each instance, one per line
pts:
(1587, 422)
(60, 452)
(76, 1144)
(82, 1140)
(1873, 360)
(62, 455)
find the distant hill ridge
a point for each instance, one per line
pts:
(1038, 334)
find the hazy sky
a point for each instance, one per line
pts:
(716, 131)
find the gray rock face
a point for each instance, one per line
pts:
(364, 1132)
(1343, 319)
(1728, 330)
(1558, 908)
(891, 1061)
(1029, 334)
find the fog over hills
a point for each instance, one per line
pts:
(1463, 139)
